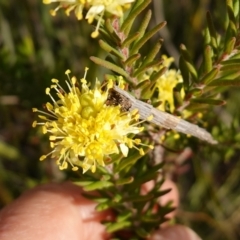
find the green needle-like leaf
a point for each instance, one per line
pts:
(153, 52)
(155, 76)
(108, 48)
(103, 206)
(151, 219)
(230, 45)
(144, 23)
(231, 14)
(98, 185)
(113, 227)
(184, 72)
(231, 67)
(208, 59)
(212, 31)
(208, 101)
(123, 216)
(226, 82)
(131, 60)
(132, 15)
(129, 39)
(210, 76)
(127, 162)
(146, 67)
(123, 181)
(146, 37)
(141, 198)
(109, 65)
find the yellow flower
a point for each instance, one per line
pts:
(96, 9)
(166, 83)
(84, 131)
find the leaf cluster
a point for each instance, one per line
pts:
(120, 189)
(220, 63)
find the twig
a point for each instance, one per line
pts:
(164, 119)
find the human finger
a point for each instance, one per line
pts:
(52, 211)
(176, 232)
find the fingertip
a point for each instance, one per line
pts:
(52, 211)
(176, 232)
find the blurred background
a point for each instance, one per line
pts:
(36, 47)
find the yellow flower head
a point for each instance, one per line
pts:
(83, 129)
(96, 9)
(166, 83)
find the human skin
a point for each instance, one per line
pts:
(59, 211)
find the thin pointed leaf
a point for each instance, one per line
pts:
(132, 59)
(210, 76)
(105, 46)
(113, 227)
(192, 70)
(212, 31)
(153, 52)
(144, 23)
(109, 33)
(231, 67)
(208, 101)
(155, 76)
(108, 25)
(126, 162)
(188, 62)
(123, 216)
(141, 198)
(232, 74)
(95, 198)
(161, 193)
(208, 59)
(195, 92)
(231, 14)
(151, 218)
(143, 84)
(148, 90)
(107, 37)
(109, 65)
(102, 206)
(146, 37)
(124, 181)
(184, 72)
(131, 38)
(185, 53)
(132, 15)
(98, 185)
(226, 82)
(230, 45)
(146, 67)
(149, 175)
(178, 99)
(231, 61)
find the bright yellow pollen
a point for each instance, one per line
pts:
(42, 157)
(34, 124)
(94, 34)
(54, 80)
(67, 72)
(47, 91)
